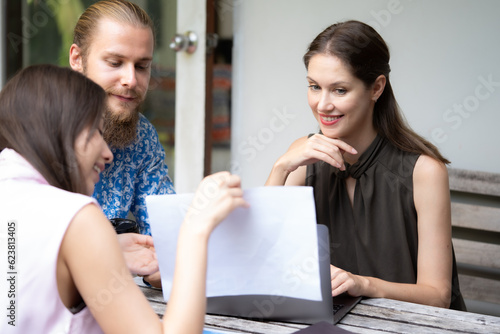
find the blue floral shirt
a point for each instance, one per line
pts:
(137, 170)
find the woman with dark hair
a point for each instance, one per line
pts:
(71, 274)
(381, 189)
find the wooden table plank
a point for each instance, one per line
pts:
(249, 326)
(391, 326)
(370, 316)
(361, 330)
(475, 323)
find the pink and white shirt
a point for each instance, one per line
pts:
(34, 217)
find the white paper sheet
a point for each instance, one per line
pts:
(269, 248)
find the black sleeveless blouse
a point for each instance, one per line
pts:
(376, 236)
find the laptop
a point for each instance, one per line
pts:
(286, 309)
(303, 295)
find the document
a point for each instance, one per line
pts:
(269, 248)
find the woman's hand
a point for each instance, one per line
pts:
(343, 281)
(306, 151)
(318, 147)
(216, 196)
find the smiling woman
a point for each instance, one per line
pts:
(381, 189)
(340, 102)
(51, 154)
(41, 32)
(51, 115)
(92, 153)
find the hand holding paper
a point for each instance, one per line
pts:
(215, 198)
(269, 248)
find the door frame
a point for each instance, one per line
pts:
(193, 97)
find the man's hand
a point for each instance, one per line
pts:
(139, 253)
(154, 279)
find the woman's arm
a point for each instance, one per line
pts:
(215, 198)
(432, 202)
(94, 261)
(95, 264)
(434, 263)
(290, 168)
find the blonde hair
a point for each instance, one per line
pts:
(118, 10)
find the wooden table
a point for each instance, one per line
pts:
(372, 315)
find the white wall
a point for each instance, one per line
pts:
(445, 73)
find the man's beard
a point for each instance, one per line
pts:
(119, 132)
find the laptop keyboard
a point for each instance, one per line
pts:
(337, 307)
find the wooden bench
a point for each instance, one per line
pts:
(475, 209)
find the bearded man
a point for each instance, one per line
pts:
(113, 45)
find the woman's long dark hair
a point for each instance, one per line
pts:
(42, 111)
(364, 51)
